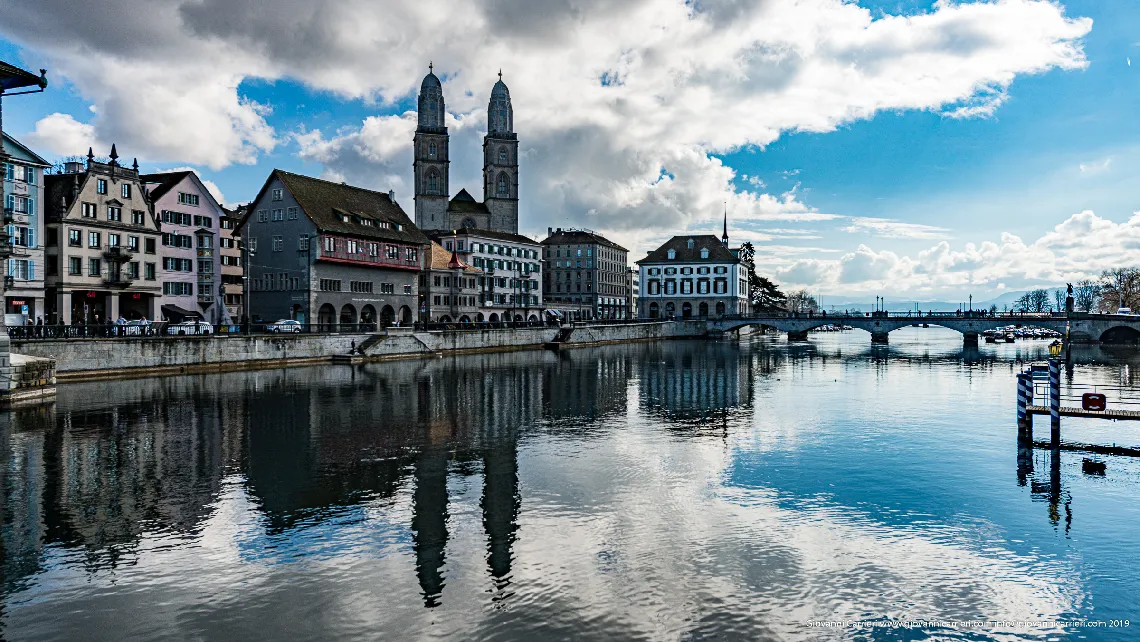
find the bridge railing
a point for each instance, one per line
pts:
(1013, 317)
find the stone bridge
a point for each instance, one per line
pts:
(1104, 328)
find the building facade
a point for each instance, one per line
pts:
(692, 277)
(23, 176)
(499, 210)
(330, 254)
(190, 267)
(450, 290)
(510, 288)
(584, 271)
(233, 268)
(102, 247)
(633, 285)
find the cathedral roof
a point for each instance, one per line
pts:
(431, 82)
(464, 202)
(500, 91)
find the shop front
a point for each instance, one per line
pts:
(21, 305)
(134, 306)
(89, 307)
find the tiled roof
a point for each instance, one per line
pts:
(164, 183)
(487, 234)
(718, 253)
(441, 259)
(466, 204)
(563, 237)
(328, 204)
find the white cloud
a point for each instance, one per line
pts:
(629, 156)
(892, 229)
(210, 186)
(61, 134)
(1081, 246)
(1095, 167)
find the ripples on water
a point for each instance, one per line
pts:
(684, 490)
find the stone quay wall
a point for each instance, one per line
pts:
(144, 356)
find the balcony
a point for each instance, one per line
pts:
(119, 253)
(117, 282)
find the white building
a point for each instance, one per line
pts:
(692, 277)
(510, 288)
(23, 175)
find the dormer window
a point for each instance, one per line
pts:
(690, 244)
(704, 253)
(344, 218)
(672, 254)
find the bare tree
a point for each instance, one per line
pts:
(1119, 287)
(1059, 296)
(802, 301)
(1085, 295)
(1036, 301)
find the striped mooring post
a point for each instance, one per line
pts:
(1024, 385)
(1054, 403)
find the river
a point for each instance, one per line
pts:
(682, 490)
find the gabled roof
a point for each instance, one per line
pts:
(466, 204)
(328, 204)
(561, 237)
(441, 259)
(718, 253)
(164, 182)
(35, 159)
(487, 234)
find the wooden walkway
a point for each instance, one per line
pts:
(1122, 415)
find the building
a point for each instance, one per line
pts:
(499, 210)
(633, 284)
(190, 268)
(331, 254)
(450, 290)
(692, 276)
(510, 288)
(23, 178)
(584, 271)
(233, 269)
(102, 244)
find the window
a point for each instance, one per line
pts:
(391, 252)
(387, 288)
(654, 271)
(720, 269)
(360, 286)
(149, 271)
(176, 288)
(205, 267)
(252, 245)
(230, 261)
(262, 216)
(114, 213)
(432, 182)
(112, 240)
(126, 190)
(94, 268)
(149, 244)
(205, 289)
(672, 254)
(278, 215)
(407, 289)
(330, 285)
(654, 286)
(432, 149)
(686, 286)
(702, 286)
(720, 286)
(205, 242)
(277, 195)
(670, 286)
(133, 243)
(330, 244)
(411, 254)
(503, 189)
(101, 186)
(92, 239)
(89, 210)
(303, 242)
(74, 266)
(138, 217)
(278, 244)
(187, 199)
(133, 270)
(292, 213)
(702, 270)
(704, 253)
(502, 156)
(21, 269)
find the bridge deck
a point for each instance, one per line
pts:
(1123, 415)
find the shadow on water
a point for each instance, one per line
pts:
(113, 462)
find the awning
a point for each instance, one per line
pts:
(175, 313)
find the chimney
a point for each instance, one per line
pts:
(392, 195)
(549, 231)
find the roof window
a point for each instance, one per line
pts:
(672, 254)
(704, 253)
(690, 244)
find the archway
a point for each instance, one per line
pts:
(348, 317)
(465, 319)
(479, 318)
(368, 318)
(670, 310)
(1121, 335)
(387, 316)
(445, 319)
(686, 310)
(703, 310)
(532, 318)
(654, 310)
(518, 317)
(405, 315)
(720, 309)
(494, 318)
(296, 313)
(326, 317)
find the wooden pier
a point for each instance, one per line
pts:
(1121, 415)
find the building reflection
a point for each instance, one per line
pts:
(696, 382)
(1030, 461)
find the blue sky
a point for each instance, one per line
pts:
(829, 129)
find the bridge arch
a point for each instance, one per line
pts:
(1120, 334)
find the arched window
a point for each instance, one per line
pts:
(431, 149)
(504, 186)
(433, 182)
(502, 156)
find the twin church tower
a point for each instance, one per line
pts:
(499, 210)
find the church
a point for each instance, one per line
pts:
(435, 210)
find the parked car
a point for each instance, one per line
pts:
(1124, 310)
(138, 328)
(190, 327)
(284, 325)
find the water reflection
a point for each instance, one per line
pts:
(603, 491)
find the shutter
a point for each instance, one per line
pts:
(11, 267)
(31, 270)
(32, 236)
(31, 207)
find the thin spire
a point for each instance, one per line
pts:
(724, 239)
(500, 73)
(431, 67)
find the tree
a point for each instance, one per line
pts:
(58, 166)
(802, 301)
(1119, 287)
(765, 294)
(1039, 300)
(1059, 296)
(1085, 295)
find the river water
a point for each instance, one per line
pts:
(672, 491)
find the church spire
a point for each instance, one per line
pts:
(724, 238)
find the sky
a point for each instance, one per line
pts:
(909, 149)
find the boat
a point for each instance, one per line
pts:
(1010, 337)
(991, 336)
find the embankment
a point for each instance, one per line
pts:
(116, 358)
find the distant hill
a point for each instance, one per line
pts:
(1006, 300)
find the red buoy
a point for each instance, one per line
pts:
(1094, 401)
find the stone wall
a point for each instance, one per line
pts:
(95, 358)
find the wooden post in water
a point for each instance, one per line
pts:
(1024, 421)
(1054, 403)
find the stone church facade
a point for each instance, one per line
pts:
(435, 210)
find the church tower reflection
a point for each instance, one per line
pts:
(429, 521)
(501, 503)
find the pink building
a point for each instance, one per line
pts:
(190, 268)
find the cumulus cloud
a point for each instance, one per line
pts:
(1081, 246)
(210, 186)
(62, 134)
(622, 108)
